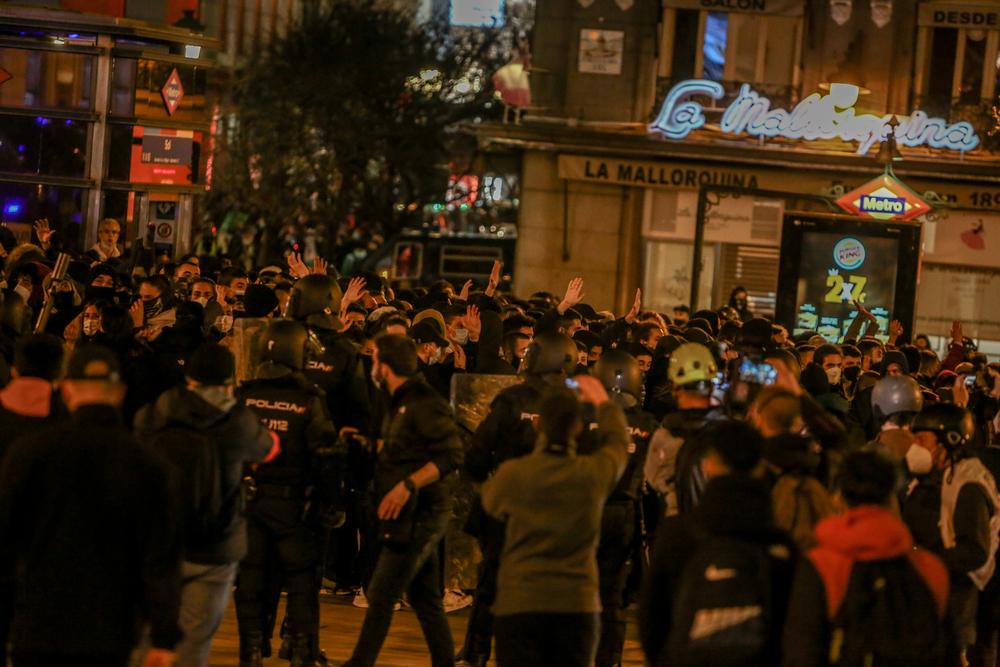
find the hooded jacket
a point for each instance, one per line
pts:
(240, 439)
(865, 533)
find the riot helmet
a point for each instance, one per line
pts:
(284, 343)
(313, 295)
(619, 372)
(549, 353)
(895, 395)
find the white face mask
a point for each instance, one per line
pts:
(203, 300)
(436, 357)
(918, 460)
(461, 336)
(23, 291)
(224, 323)
(833, 375)
(90, 327)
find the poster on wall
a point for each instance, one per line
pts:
(965, 238)
(837, 270)
(601, 51)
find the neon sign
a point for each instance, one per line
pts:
(817, 117)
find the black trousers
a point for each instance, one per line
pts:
(479, 633)
(613, 558)
(546, 640)
(278, 543)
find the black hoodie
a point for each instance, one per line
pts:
(240, 438)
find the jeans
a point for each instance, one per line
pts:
(413, 569)
(205, 591)
(543, 640)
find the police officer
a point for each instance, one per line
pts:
(283, 493)
(507, 432)
(332, 362)
(619, 372)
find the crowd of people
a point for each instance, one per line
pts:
(178, 434)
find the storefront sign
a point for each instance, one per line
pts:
(784, 7)
(163, 156)
(601, 51)
(941, 15)
(817, 117)
(173, 92)
(884, 198)
(949, 293)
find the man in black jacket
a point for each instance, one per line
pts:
(88, 532)
(421, 450)
(207, 406)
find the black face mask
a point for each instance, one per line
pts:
(852, 373)
(152, 308)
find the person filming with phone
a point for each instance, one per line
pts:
(548, 595)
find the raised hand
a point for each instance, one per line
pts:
(491, 287)
(895, 330)
(137, 314)
(573, 296)
(464, 294)
(459, 356)
(473, 323)
(296, 266)
(956, 332)
(319, 266)
(636, 307)
(44, 232)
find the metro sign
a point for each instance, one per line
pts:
(5, 76)
(884, 198)
(173, 92)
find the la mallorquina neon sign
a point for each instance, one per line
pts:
(829, 116)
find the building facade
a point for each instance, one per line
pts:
(669, 142)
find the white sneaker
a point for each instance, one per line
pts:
(455, 600)
(361, 602)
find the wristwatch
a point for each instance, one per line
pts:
(410, 486)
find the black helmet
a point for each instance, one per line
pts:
(550, 352)
(894, 394)
(953, 425)
(314, 294)
(284, 343)
(619, 372)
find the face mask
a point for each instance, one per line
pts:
(852, 373)
(224, 323)
(918, 460)
(436, 357)
(90, 327)
(239, 294)
(23, 292)
(461, 336)
(152, 307)
(203, 300)
(833, 375)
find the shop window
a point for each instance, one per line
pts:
(47, 79)
(43, 145)
(961, 68)
(735, 47)
(21, 204)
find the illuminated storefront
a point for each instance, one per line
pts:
(102, 117)
(763, 112)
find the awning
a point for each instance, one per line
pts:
(782, 7)
(972, 16)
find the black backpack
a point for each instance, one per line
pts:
(722, 613)
(888, 618)
(196, 482)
